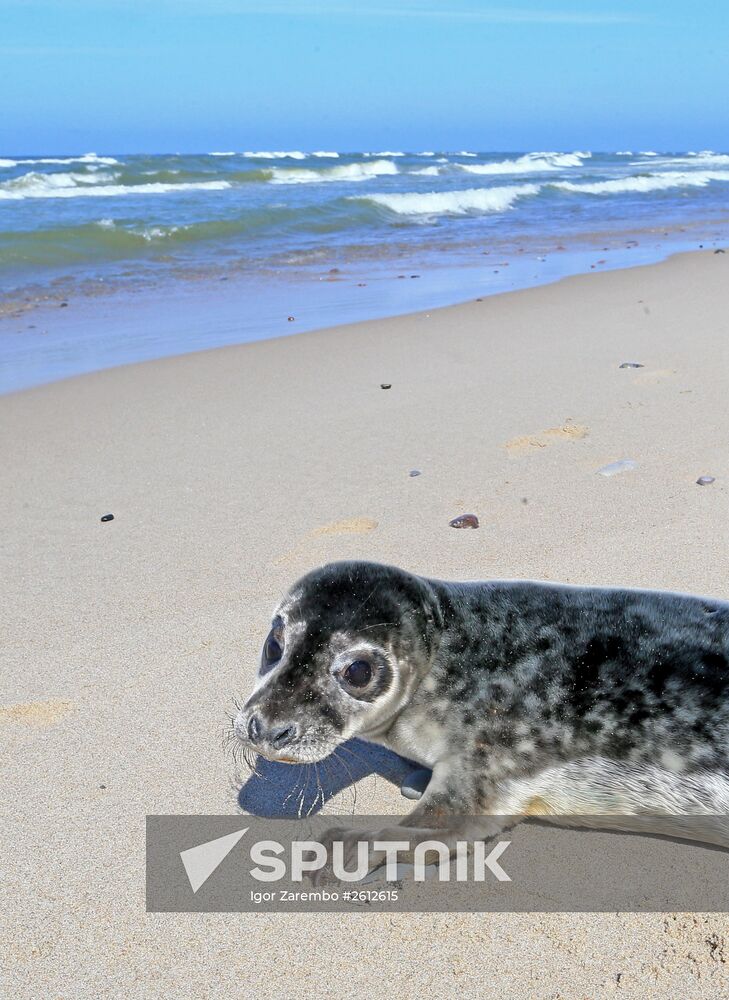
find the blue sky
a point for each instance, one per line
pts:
(197, 75)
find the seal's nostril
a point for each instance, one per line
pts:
(282, 736)
(254, 728)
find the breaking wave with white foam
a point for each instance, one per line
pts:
(294, 154)
(530, 163)
(87, 158)
(350, 172)
(645, 183)
(76, 185)
(474, 201)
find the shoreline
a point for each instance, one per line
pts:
(231, 472)
(128, 327)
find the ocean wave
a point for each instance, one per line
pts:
(385, 152)
(325, 154)
(707, 158)
(147, 234)
(428, 152)
(349, 172)
(222, 154)
(107, 238)
(465, 152)
(625, 152)
(90, 158)
(474, 201)
(294, 154)
(75, 185)
(175, 177)
(647, 152)
(530, 163)
(645, 182)
(34, 180)
(426, 172)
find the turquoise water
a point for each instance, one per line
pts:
(276, 223)
(86, 216)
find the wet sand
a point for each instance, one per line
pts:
(233, 471)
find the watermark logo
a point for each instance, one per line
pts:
(200, 862)
(340, 864)
(300, 859)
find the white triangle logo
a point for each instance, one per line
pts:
(200, 862)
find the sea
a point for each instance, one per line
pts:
(107, 259)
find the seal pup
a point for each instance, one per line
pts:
(524, 698)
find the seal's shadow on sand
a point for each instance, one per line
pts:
(291, 790)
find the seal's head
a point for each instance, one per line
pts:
(348, 645)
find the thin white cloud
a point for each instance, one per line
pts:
(476, 13)
(466, 10)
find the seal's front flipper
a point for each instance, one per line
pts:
(415, 783)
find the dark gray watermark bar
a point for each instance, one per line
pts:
(349, 864)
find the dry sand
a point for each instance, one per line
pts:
(233, 471)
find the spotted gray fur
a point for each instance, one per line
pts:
(523, 697)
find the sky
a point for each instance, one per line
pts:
(202, 75)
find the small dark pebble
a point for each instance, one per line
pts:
(291, 319)
(415, 783)
(525, 500)
(720, 251)
(361, 284)
(63, 305)
(632, 364)
(464, 521)
(479, 300)
(102, 786)
(705, 480)
(414, 472)
(107, 517)
(414, 275)
(385, 385)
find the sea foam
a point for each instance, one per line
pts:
(531, 163)
(646, 183)
(294, 154)
(349, 172)
(75, 185)
(474, 201)
(89, 158)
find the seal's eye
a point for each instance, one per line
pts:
(272, 653)
(357, 674)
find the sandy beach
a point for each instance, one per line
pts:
(233, 471)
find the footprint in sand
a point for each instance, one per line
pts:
(529, 442)
(350, 526)
(35, 714)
